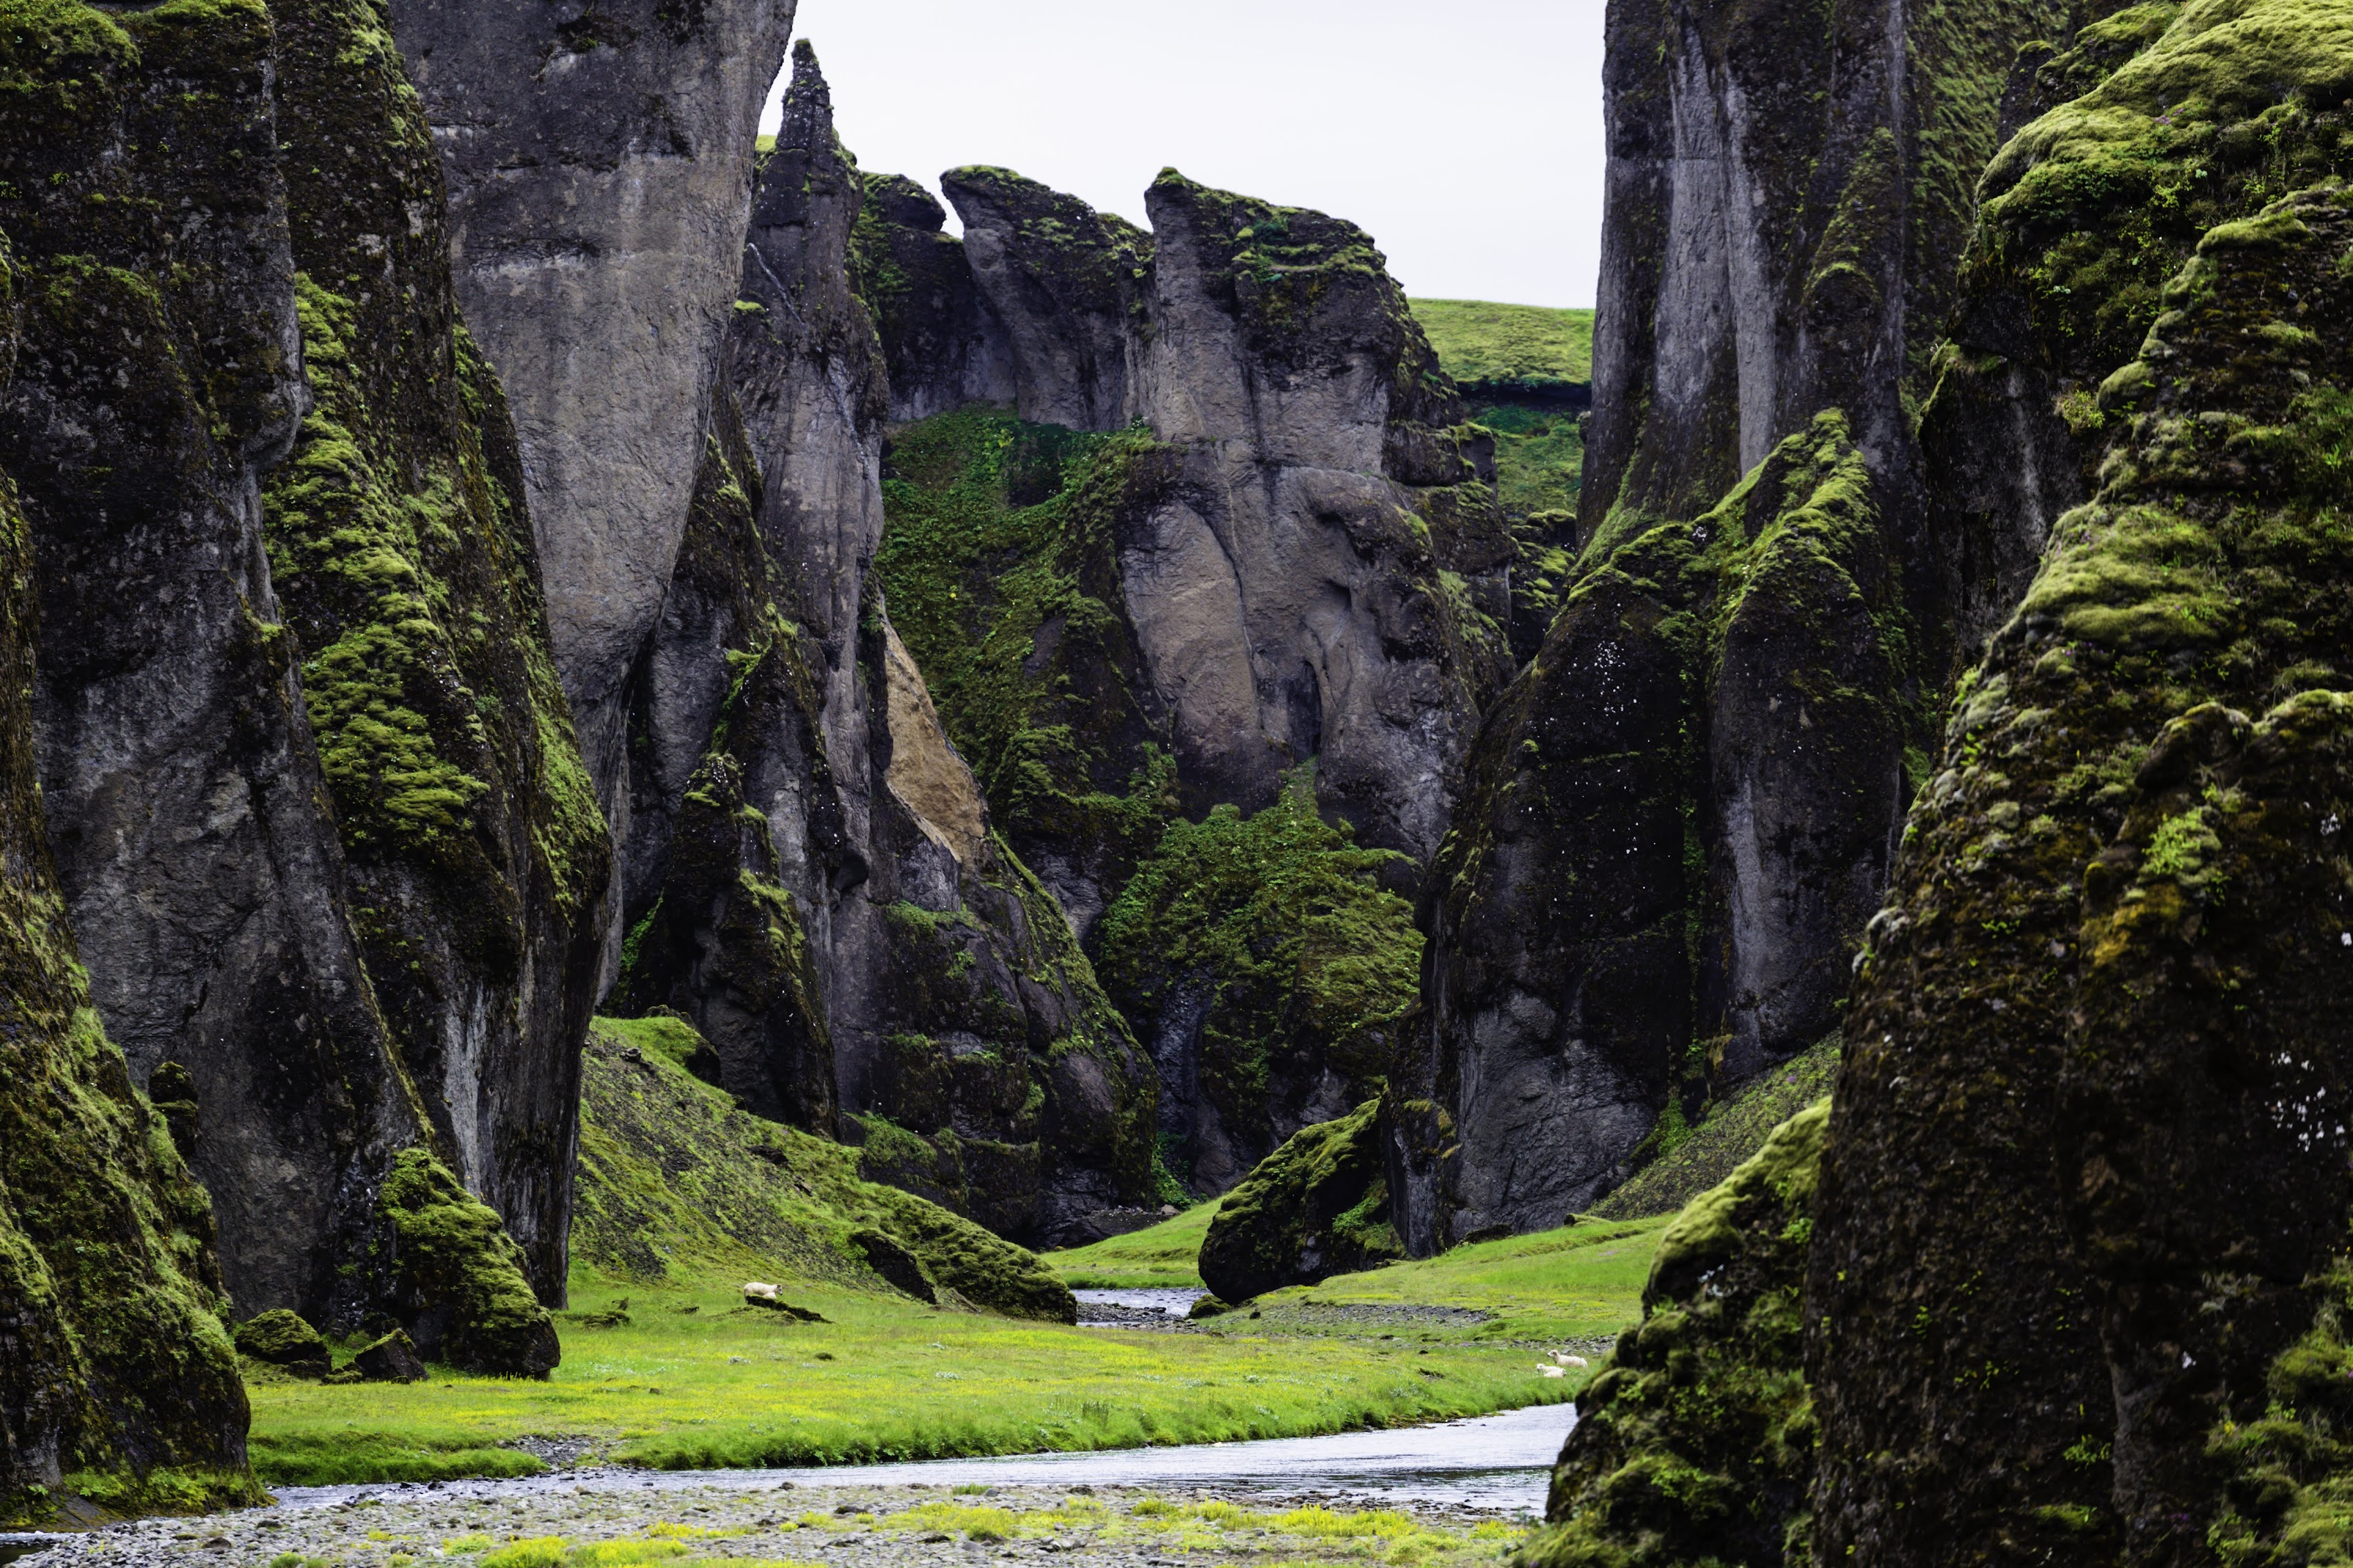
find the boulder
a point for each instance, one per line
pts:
(283, 1339)
(896, 1265)
(392, 1359)
(456, 1279)
(1316, 1207)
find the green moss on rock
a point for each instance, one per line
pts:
(284, 1339)
(120, 1382)
(457, 1277)
(1695, 1440)
(2117, 936)
(1316, 1206)
(1271, 932)
(998, 559)
(1731, 1131)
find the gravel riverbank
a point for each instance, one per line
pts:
(487, 1526)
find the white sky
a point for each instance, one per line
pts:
(1465, 136)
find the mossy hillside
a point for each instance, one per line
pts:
(121, 1379)
(2127, 852)
(1499, 353)
(998, 559)
(1695, 1440)
(402, 554)
(676, 1183)
(1317, 1205)
(1276, 928)
(1731, 1129)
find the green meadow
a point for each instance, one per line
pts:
(693, 1380)
(684, 1197)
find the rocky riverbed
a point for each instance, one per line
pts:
(792, 1526)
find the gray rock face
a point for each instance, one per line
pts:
(401, 549)
(182, 785)
(599, 165)
(942, 345)
(1066, 289)
(828, 903)
(1778, 254)
(1311, 592)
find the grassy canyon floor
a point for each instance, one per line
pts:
(694, 1379)
(684, 1198)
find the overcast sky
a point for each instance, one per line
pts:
(1466, 137)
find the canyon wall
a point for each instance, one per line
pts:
(1683, 812)
(1285, 561)
(303, 758)
(2074, 1282)
(599, 164)
(826, 898)
(119, 1386)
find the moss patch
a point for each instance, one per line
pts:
(1002, 578)
(1274, 922)
(1731, 1129)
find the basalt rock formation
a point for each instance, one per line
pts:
(1297, 569)
(2116, 934)
(475, 858)
(598, 163)
(941, 347)
(1680, 816)
(118, 1386)
(1066, 287)
(1316, 1206)
(316, 845)
(827, 901)
(2074, 1274)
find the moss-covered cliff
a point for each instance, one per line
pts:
(403, 559)
(2074, 1290)
(119, 1390)
(1701, 775)
(1694, 1442)
(2116, 927)
(307, 776)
